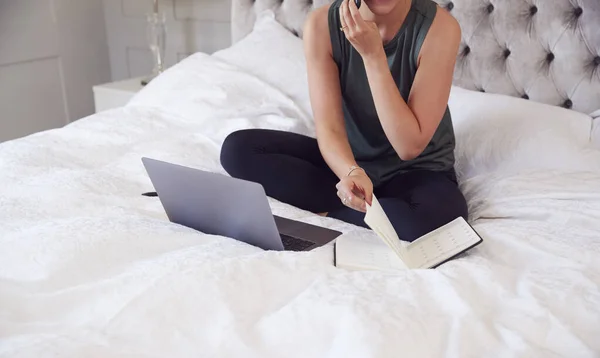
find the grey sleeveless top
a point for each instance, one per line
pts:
(369, 144)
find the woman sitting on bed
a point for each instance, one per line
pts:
(379, 81)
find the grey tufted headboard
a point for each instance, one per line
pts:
(543, 50)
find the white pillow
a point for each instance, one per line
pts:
(498, 133)
(272, 53)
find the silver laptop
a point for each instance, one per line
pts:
(217, 204)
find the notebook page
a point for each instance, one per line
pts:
(380, 224)
(441, 244)
(366, 253)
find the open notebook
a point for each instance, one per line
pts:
(390, 253)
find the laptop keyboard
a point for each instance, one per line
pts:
(293, 244)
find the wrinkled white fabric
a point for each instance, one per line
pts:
(273, 54)
(595, 136)
(90, 268)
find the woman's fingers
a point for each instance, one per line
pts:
(346, 16)
(351, 201)
(357, 19)
(362, 206)
(349, 198)
(343, 24)
(358, 191)
(346, 187)
(369, 199)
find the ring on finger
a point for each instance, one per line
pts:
(345, 200)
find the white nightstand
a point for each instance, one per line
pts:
(116, 94)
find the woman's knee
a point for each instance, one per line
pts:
(413, 219)
(236, 146)
(445, 209)
(442, 198)
(452, 204)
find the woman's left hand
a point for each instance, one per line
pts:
(363, 35)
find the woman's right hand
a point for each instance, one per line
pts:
(356, 190)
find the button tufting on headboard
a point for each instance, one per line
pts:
(544, 50)
(568, 104)
(533, 10)
(466, 50)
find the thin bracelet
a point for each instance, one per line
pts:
(353, 168)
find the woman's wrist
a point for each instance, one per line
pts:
(375, 59)
(354, 169)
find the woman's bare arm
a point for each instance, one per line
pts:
(408, 126)
(325, 94)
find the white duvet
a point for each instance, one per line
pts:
(90, 268)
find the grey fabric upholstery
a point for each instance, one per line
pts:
(542, 50)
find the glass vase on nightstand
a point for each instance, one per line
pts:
(156, 31)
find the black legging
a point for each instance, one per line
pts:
(291, 169)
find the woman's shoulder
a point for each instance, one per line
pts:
(432, 11)
(319, 20)
(445, 26)
(443, 35)
(316, 30)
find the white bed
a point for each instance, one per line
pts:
(90, 268)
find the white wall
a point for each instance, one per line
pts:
(193, 25)
(51, 54)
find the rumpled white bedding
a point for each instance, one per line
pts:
(90, 268)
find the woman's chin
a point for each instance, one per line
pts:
(381, 7)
